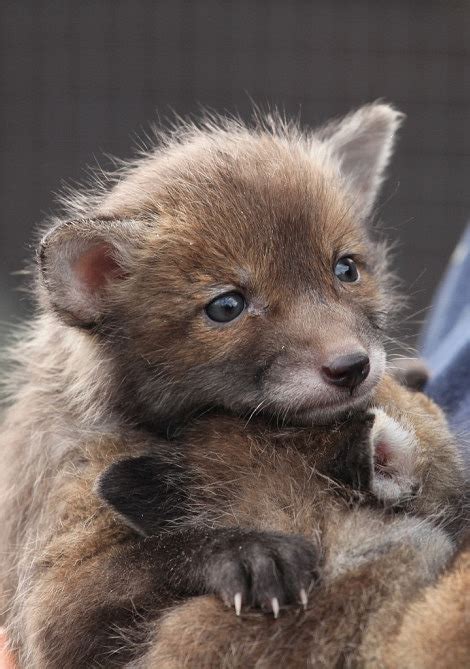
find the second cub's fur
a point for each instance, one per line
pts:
(364, 567)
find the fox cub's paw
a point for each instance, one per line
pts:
(262, 570)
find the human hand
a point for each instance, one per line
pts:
(6, 659)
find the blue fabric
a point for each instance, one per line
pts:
(446, 344)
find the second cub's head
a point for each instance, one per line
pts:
(233, 267)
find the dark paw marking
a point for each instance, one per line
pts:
(262, 570)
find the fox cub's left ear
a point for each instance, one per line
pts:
(362, 143)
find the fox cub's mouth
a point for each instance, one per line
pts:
(394, 451)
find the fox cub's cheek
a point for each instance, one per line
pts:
(395, 451)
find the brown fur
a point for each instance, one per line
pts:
(91, 580)
(372, 566)
(121, 353)
(435, 632)
(207, 206)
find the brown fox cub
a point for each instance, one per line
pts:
(231, 270)
(302, 530)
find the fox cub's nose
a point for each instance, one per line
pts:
(347, 370)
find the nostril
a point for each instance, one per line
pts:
(347, 370)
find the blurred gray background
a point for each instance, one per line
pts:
(79, 78)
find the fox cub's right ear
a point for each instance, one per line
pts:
(80, 262)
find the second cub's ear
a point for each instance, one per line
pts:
(146, 491)
(79, 263)
(362, 143)
(413, 373)
(351, 462)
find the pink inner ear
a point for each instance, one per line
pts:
(382, 454)
(96, 267)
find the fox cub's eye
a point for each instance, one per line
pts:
(346, 270)
(226, 307)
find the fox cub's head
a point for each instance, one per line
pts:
(233, 267)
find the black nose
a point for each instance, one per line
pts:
(347, 370)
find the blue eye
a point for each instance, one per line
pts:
(226, 308)
(346, 270)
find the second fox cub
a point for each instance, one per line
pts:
(266, 519)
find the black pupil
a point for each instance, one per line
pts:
(346, 270)
(225, 308)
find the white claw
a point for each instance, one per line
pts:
(275, 606)
(237, 600)
(303, 598)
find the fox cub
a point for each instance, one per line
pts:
(331, 520)
(230, 272)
